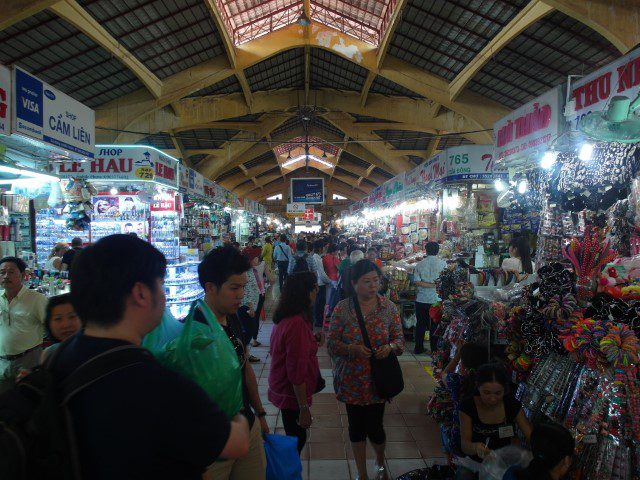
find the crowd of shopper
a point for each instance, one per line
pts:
(139, 419)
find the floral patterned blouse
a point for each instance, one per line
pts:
(352, 376)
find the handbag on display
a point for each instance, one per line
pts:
(386, 372)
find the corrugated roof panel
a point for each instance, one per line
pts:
(542, 57)
(264, 158)
(384, 173)
(251, 117)
(285, 70)
(367, 119)
(368, 182)
(415, 159)
(387, 87)
(329, 70)
(159, 140)
(338, 169)
(59, 54)
(405, 139)
(196, 159)
(325, 124)
(453, 141)
(229, 173)
(203, 139)
(223, 87)
(349, 158)
(167, 36)
(287, 126)
(276, 168)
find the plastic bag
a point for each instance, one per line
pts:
(205, 354)
(275, 292)
(168, 330)
(283, 461)
(499, 461)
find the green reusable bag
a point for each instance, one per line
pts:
(204, 354)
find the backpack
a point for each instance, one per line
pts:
(37, 438)
(301, 265)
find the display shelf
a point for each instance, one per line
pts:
(51, 228)
(182, 286)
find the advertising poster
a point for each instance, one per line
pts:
(307, 190)
(105, 207)
(5, 100)
(44, 113)
(139, 228)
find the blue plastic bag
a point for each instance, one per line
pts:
(168, 330)
(283, 461)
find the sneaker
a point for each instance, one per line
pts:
(253, 359)
(381, 473)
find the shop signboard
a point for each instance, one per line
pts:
(117, 162)
(592, 92)
(307, 190)
(308, 213)
(295, 209)
(425, 177)
(183, 178)
(5, 100)
(394, 188)
(471, 162)
(164, 202)
(530, 128)
(209, 188)
(46, 114)
(221, 195)
(196, 183)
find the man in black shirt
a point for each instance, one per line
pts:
(143, 421)
(223, 275)
(67, 258)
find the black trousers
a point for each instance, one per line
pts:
(318, 308)
(422, 323)
(256, 318)
(366, 421)
(291, 427)
(283, 266)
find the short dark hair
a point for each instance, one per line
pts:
(221, 263)
(333, 231)
(283, 238)
(432, 248)
(318, 245)
(251, 238)
(492, 372)
(76, 242)
(53, 303)
(332, 248)
(372, 249)
(361, 268)
(105, 273)
(301, 245)
(21, 264)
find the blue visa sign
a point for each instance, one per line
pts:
(44, 113)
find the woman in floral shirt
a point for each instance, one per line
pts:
(352, 372)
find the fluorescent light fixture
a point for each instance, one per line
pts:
(28, 173)
(586, 152)
(548, 159)
(303, 157)
(499, 185)
(139, 146)
(523, 185)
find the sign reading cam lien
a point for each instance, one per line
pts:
(46, 114)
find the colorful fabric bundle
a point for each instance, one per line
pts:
(582, 336)
(620, 346)
(560, 307)
(588, 256)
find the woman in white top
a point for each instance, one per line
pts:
(520, 261)
(55, 257)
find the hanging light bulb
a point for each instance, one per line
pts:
(548, 159)
(586, 152)
(324, 154)
(523, 185)
(113, 191)
(289, 155)
(499, 185)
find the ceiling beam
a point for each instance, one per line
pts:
(177, 143)
(227, 41)
(385, 41)
(72, 12)
(132, 110)
(617, 21)
(246, 89)
(307, 73)
(14, 11)
(244, 126)
(530, 14)
(364, 93)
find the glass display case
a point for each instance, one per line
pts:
(181, 283)
(165, 234)
(51, 228)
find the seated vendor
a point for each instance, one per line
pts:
(520, 261)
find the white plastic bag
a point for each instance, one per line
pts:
(499, 461)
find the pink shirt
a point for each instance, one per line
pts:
(294, 361)
(331, 263)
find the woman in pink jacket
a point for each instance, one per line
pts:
(295, 373)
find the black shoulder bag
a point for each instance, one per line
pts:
(386, 372)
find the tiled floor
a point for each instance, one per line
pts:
(413, 439)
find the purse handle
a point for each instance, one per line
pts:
(363, 328)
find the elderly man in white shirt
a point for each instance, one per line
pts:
(424, 276)
(22, 315)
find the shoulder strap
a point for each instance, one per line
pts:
(363, 328)
(100, 366)
(285, 253)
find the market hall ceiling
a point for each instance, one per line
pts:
(228, 85)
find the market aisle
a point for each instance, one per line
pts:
(413, 439)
